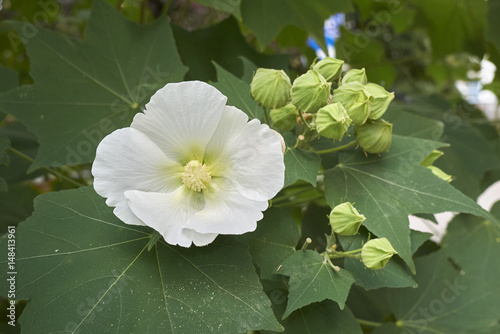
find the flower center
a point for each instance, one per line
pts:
(196, 176)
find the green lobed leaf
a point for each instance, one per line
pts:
(301, 165)
(266, 18)
(392, 186)
(272, 242)
(229, 6)
(238, 93)
(447, 300)
(123, 287)
(312, 279)
(83, 91)
(394, 275)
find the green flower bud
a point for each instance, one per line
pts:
(356, 100)
(374, 136)
(271, 88)
(284, 118)
(429, 160)
(329, 68)
(355, 75)
(376, 253)
(332, 121)
(439, 173)
(382, 99)
(310, 92)
(345, 219)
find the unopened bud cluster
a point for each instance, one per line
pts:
(354, 101)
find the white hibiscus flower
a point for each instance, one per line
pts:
(190, 167)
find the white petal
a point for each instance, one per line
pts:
(168, 214)
(181, 118)
(226, 211)
(128, 160)
(248, 154)
(199, 239)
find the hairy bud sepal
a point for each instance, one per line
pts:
(376, 253)
(329, 68)
(381, 100)
(345, 219)
(332, 121)
(355, 75)
(374, 136)
(310, 92)
(271, 88)
(356, 100)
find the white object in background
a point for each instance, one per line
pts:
(473, 91)
(486, 200)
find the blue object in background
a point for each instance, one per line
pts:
(313, 45)
(331, 31)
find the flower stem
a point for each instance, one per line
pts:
(354, 251)
(354, 254)
(266, 115)
(334, 267)
(368, 323)
(48, 170)
(303, 120)
(306, 243)
(338, 148)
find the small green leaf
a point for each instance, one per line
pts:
(154, 238)
(312, 279)
(83, 91)
(91, 273)
(272, 242)
(393, 185)
(238, 93)
(301, 165)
